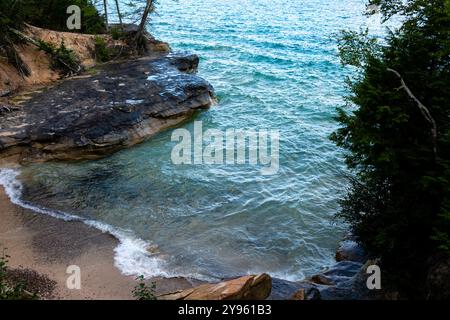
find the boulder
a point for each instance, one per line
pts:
(350, 282)
(350, 250)
(343, 269)
(322, 279)
(251, 287)
(307, 292)
(290, 290)
(283, 289)
(303, 294)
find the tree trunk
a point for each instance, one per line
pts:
(140, 35)
(118, 13)
(105, 6)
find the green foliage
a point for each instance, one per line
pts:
(63, 59)
(356, 48)
(92, 22)
(398, 204)
(117, 33)
(12, 16)
(144, 292)
(51, 14)
(101, 51)
(8, 291)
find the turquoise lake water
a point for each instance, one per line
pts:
(274, 65)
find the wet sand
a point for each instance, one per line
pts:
(48, 246)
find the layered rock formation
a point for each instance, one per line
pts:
(93, 115)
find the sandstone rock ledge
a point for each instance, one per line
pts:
(252, 287)
(90, 116)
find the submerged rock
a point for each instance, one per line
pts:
(252, 287)
(91, 116)
(345, 280)
(350, 250)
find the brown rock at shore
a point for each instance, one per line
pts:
(252, 287)
(307, 293)
(321, 279)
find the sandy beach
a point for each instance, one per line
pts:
(48, 246)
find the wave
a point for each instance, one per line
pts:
(131, 256)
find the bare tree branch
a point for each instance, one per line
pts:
(424, 110)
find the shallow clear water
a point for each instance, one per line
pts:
(274, 65)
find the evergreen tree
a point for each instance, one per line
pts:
(397, 134)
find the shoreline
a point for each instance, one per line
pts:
(49, 245)
(43, 246)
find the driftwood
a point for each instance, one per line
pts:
(423, 110)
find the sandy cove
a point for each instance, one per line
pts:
(49, 245)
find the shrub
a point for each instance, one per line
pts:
(144, 292)
(10, 291)
(102, 53)
(63, 59)
(117, 33)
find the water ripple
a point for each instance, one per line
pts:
(274, 65)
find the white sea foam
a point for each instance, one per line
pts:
(131, 255)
